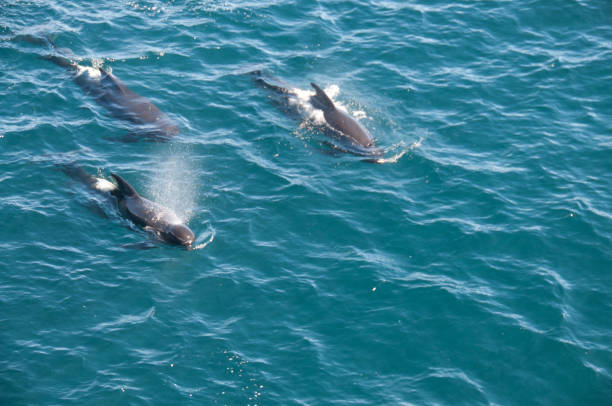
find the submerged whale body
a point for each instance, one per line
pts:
(352, 136)
(116, 97)
(153, 217)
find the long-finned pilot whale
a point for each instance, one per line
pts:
(351, 136)
(162, 222)
(111, 93)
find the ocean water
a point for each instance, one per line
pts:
(475, 268)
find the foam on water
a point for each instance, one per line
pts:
(314, 115)
(208, 237)
(396, 156)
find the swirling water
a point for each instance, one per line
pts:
(476, 269)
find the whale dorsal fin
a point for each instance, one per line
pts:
(322, 99)
(124, 188)
(110, 78)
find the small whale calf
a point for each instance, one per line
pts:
(352, 136)
(162, 222)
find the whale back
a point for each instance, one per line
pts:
(112, 83)
(160, 220)
(340, 121)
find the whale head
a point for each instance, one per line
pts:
(180, 234)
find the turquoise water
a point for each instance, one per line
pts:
(475, 269)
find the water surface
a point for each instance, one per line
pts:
(474, 270)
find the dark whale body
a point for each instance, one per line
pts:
(157, 219)
(340, 121)
(151, 215)
(353, 138)
(112, 94)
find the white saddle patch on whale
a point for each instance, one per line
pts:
(92, 73)
(104, 185)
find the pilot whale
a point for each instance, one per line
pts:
(116, 97)
(350, 135)
(155, 218)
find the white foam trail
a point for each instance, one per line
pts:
(393, 159)
(359, 114)
(332, 91)
(303, 103)
(416, 144)
(314, 115)
(205, 243)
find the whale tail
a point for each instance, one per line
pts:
(60, 61)
(63, 51)
(31, 39)
(77, 173)
(321, 100)
(259, 78)
(42, 40)
(125, 189)
(62, 56)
